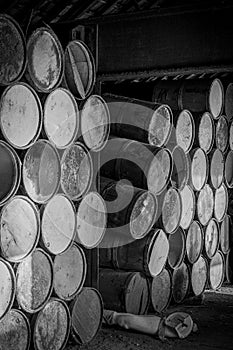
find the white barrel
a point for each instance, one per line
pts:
(171, 210)
(206, 132)
(199, 276)
(199, 169)
(228, 169)
(216, 168)
(220, 202)
(221, 134)
(231, 136)
(216, 271)
(194, 242)
(211, 238)
(205, 205)
(7, 287)
(188, 203)
(185, 130)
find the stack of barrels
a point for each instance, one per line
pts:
(49, 213)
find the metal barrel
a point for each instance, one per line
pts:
(226, 234)
(199, 275)
(188, 206)
(161, 291)
(220, 202)
(211, 238)
(228, 169)
(176, 248)
(180, 283)
(180, 171)
(216, 271)
(228, 102)
(194, 242)
(199, 169)
(222, 134)
(7, 287)
(185, 130)
(205, 131)
(216, 173)
(205, 205)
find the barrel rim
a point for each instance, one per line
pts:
(153, 117)
(168, 273)
(180, 201)
(214, 81)
(218, 252)
(212, 154)
(213, 131)
(148, 248)
(182, 253)
(229, 154)
(201, 257)
(193, 209)
(192, 154)
(189, 113)
(226, 207)
(20, 31)
(230, 139)
(217, 243)
(195, 222)
(186, 166)
(222, 117)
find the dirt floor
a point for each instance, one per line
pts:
(214, 317)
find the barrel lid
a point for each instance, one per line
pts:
(171, 210)
(188, 206)
(216, 270)
(91, 220)
(205, 205)
(160, 125)
(199, 168)
(7, 287)
(216, 98)
(194, 242)
(221, 134)
(58, 224)
(231, 136)
(19, 228)
(69, 272)
(206, 132)
(220, 202)
(95, 122)
(45, 59)
(13, 50)
(137, 294)
(76, 171)
(225, 234)
(55, 317)
(216, 168)
(229, 102)
(161, 290)
(211, 238)
(228, 169)
(176, 248)
(61, 118)
(20, 115)
(180, 171)
(199, 276)
(180, 283)
(185, 130)
(157, 252)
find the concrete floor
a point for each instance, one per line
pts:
(214, 318)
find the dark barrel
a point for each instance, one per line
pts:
(188, 203)
(205, 205)
(185, 130)
(7, 287)
(220, 202)
(228, 169)
(205, 132)
(143, 121)
(161, 290)
(229, 102)
(194, 242)
(216, 271)
(176, 248)
(180, 283)
(199, 276)
(180, 171)
(167, 91)
(226, 234)
(124, 291)
(211, 238)
(13, 51)
(221, 134)
(52, 326)
(216, 168)
(20, 115)
(199, 169)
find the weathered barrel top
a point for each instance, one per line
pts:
(216, 270)
(161, 290)
(180, 283)
(211, 238)
(188, 206)
(171, 210)
(216, 167)
(221, 133)
(220, 202)
(216, 98)
(206, 132)
(7, 287)
(199, 169)
(226, 234)
(194, 241)
(157, 252)
(180, 171)
(199, 274)
(185, 130)
(160, 126)
(205, 204)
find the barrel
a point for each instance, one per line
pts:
(171, 210)
(185, 130)
(124, 291)
(138, 120)
(161, 291)
(58, 224)
(15, 331)
(229, 102)
(176, 248)
(228, 169)
(205, 205)
(10, 172)
(146, 166)
(199, 276)
(221, 134)
(45, 60)
(131, 209)
(41, 171)
(180, 171)
(216, 271)
(202, 95)
(147, 255)
(7, 287)
(188, 203)
(69, 272)
(199, 169)
(61, 118)
(216, 168)
(220, 202)
(231, 136)
(52, 326)
(228, 267)
(19, 228)
(79, 74)
(76, 171)
(95, 122)
(206, 132)
(226, 234)
(180, 283)
(86, 315)
(20, 115)
(167, 91)
(211, 239)
(13, 51)
(34, 281)
(194, 242)
(91, 220)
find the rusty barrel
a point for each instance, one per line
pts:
(51, 326)
(161, 290)
(79, 73)
(45, 60)
(205, 205)
(180, 171)
(20, 115)
(199, 275)
(69, 272)
(91, 218)
(167, 91)
(194, 241)
(146, 166)
(199, 168)
(138, 120)
(58, 224)
(226, 234)
(188, 203)
(34, 281)
(124, 291)
(76, 171)
(221, 134)
(228, 169)
(216, 173)
(15, 331)
(176, 248)
(216, 271)
(220, 202)
(205, 131)
(41, 171)
(171, 210)
(13, 51)
(61, 118)
(19, 228)
(211, 238)
(185, 130)
(95, 122)
(180, 283)
(86, 315)
(229, 102)
(131, 209)
(7, 287)
(10, 172)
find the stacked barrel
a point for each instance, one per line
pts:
(49, 213)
